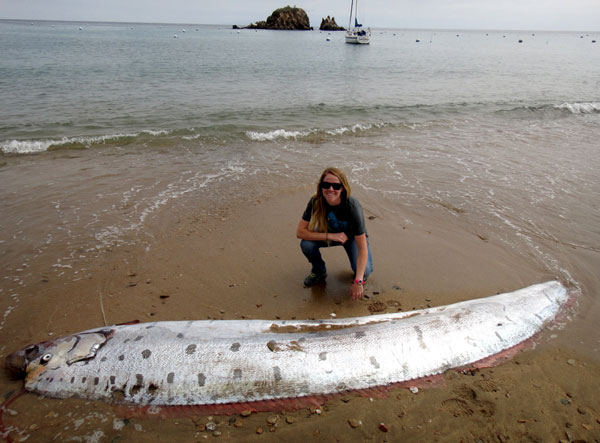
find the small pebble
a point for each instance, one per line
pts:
(354, 422)
(586, 426)
(414, 389)
(571, 362)
(272, 419)
(210, 426)
(216, 433)
(290, 420)
(259, 430)
(565, 401)
(246, 413)
(383, 427)
(238, 424)
(581, 411)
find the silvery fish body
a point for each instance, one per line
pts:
(228, 361)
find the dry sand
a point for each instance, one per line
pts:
(243, 261)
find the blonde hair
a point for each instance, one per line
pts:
(318, 218)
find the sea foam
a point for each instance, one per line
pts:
(276, 134)
(37, 146)
(580, 108)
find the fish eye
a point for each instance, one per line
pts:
(45, 358)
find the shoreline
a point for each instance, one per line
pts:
(243, 261)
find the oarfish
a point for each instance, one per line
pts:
(228, 361)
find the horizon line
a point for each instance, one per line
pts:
(316, 29)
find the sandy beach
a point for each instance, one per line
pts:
(242, 260)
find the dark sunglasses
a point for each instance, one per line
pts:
(327, 185)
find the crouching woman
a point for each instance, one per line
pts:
(334, 218)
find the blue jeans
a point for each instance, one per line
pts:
(311, 250)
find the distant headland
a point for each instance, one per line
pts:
(292, 19)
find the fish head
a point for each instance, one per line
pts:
(33, 360)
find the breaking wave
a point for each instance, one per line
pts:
(580, 108)
(37, 146)
(279, 134)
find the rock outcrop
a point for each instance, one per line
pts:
(286, 19)
(329, 24)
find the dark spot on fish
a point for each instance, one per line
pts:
(420, 337)
(277, 373)
(190, 349)
(72, 379)
(215, 397)
(170, 377)
(360, 334)
(341, 387)
(62, 379)
(83, 379)
(146, 353)
(118, 395)
(138, 338)
(149, 326)
(96, 381)
(374, 362)
(272, 345)
(121, 357)
(139, 383)
(235, 347)
(103, 359)
(112, 379)
(126, 340)
(180, 335)
(323, 356)
(152, 389)
(237, 374)
(301, 340)
(201, 379)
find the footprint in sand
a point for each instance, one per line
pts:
(467, 402)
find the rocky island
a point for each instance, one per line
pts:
(284, 19)
(329, 24)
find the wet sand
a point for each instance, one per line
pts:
(242, 260)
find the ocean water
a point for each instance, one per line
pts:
(105, 125)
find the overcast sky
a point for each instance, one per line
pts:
(576, 15)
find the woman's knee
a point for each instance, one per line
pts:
(309, 247)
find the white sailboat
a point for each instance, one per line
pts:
(356, 35)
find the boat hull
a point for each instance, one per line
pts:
(355, 38)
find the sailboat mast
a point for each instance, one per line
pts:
(350, 20)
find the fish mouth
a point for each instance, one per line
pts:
(16, 363)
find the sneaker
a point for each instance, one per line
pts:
(314, 279)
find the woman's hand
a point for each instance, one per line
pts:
(337, 236)
(357, 291)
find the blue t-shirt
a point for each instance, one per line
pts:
(347, 217)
